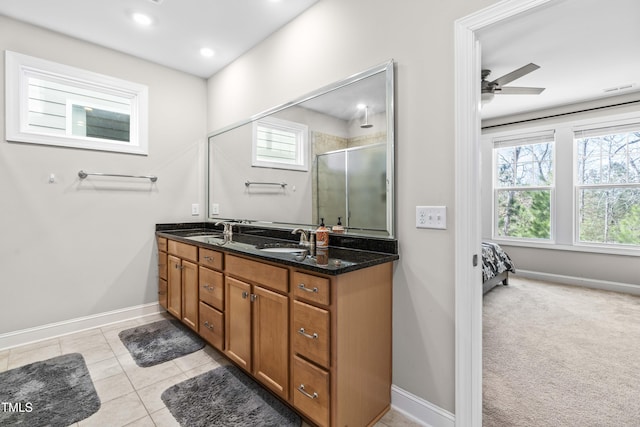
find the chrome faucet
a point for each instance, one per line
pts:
(304, 240)
(228, 228)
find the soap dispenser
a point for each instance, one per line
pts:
(322, 235)
(338, 228)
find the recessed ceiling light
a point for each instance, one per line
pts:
(142, 19)
(207, 52)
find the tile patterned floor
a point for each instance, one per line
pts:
(130, 395)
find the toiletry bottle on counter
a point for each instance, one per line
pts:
(322, 235)
(338, 228)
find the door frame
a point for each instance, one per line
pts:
(468, 289)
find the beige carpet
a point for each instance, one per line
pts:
(557, 355)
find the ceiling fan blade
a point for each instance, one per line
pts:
(512, 90)
(516, 74)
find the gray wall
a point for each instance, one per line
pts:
(333, 40)
(72, 249)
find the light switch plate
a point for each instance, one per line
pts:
(431, 217)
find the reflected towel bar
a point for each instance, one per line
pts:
(83, 174)
(281, 184)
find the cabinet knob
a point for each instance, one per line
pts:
(245, 294)
(304, 334)
(208, 325)
(310, 396)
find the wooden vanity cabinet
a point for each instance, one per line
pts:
(257, 321)
(320, 342)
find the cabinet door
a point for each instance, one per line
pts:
(190, 294)
(174, 286)
(162, 277)
(271, 339)
(238, 322)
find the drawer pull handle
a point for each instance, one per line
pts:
(208, 258)
(310, 396)
(303, 333)
(208, 325)
(207, 287)
(304, 288)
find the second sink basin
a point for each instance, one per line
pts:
(283, 250)
(287, 248)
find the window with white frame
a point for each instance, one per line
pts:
(280, 144)
(56, 104)
(608, 185)
(524, 186)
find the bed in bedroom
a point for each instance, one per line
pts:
(496, 266)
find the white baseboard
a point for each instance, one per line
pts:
(419, 410)
(626, 288)
(52, 330)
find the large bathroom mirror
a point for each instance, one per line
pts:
(328, 154)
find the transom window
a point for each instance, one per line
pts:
(56, 104)
(608, 185)
(523, 186)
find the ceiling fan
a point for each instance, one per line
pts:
(496, 87)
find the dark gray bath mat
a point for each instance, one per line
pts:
(53, 392)
(160, 342)
(226, 397)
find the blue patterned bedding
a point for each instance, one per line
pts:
(494, 261)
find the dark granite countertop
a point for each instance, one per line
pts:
(345, 253)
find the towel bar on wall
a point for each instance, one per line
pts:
(83, 174)
(281, 184)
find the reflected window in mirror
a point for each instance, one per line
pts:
(55, 104)
(280, 144)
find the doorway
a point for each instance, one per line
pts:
(468, 292)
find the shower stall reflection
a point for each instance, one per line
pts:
(352, 184)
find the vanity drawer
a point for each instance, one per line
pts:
(312, 288)
(209, 258)
(311, 394)
(183, 250)
(162, 265)
(162, 293)
(211, 288)
(162, 244)
(268, 275)
(311, 332)
(211, 326)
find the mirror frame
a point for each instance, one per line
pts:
(388, 69)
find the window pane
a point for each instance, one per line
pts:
(524, 214)
(609, 159)
(505, 167)
(524, 165)
(609, 215)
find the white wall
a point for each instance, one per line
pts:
(72, 249)
(333, 40)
